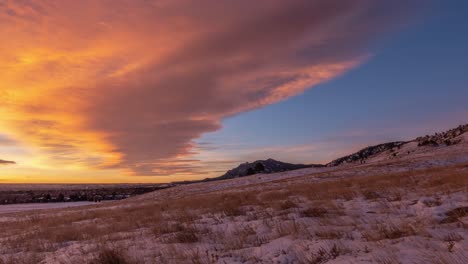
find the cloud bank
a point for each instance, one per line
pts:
(131, 84)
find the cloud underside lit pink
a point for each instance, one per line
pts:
(146, 78)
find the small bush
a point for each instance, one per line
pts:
(287, 205)
(323, 255)
(390, 231)
(387, 260)
(111, 256)
(286, 228)
(314, 212)
(453, 237)
(329, 234)
(450, 246)
(395, 197)
(432, 202)
(455, 214)
(232, 206)
(188, 235)
(370, 195)
(167, 228)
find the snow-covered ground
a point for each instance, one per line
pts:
(412, 208)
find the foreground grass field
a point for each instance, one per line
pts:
(378, 213)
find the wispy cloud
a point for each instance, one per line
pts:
(6, 162)
(131, 84)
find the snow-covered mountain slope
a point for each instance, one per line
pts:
(366, 153)
(452, 140)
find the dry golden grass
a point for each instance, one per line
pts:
(322, 255)
(111, 256)
(390, 231)
(453, 237)
(329, 234)
(314, 212)
(176, 222)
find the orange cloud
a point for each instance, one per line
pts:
(130, 84)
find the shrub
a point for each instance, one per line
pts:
(455, 214)
(329, 234)
(288, 204)
(314, 212)
(371, 195)
(111, 256)
(453, 237)
(324, 255)
(390, 231)
(187, 236)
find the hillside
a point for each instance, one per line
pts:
(411, 209)
(447, 138)
(400, 149)
(376, 153)
(364, 154)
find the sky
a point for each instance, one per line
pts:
(100, 91)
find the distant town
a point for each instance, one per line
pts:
(80, 193)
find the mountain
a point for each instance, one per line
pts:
(404, 148)
(258, 166)
(391, 150)
(261, 166)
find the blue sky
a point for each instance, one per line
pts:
(92, 92)
(415, 82)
